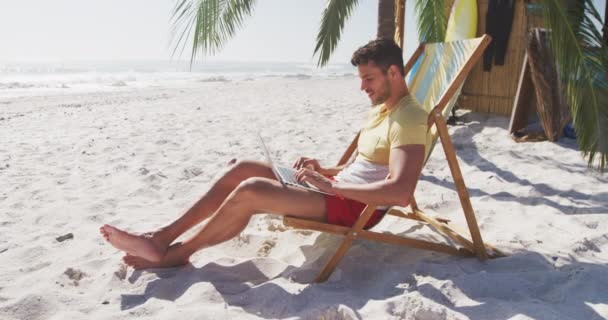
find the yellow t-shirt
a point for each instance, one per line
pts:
(405, 124)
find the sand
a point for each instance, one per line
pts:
(137, 157)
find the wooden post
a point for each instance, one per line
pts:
(525, 99)
(400, 21)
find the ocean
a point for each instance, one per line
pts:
(23, 78)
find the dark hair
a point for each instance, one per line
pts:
(383, 52)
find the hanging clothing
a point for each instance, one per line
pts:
(499, 20)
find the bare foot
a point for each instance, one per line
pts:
(175, 257)
(145, 246)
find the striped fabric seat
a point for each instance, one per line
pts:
(436, 70)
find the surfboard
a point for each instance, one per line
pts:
(462, 23)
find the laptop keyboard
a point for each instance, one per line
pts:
(289, 176)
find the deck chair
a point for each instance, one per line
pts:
(442, 70)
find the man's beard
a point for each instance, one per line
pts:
(386, 93)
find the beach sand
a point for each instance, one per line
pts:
(138, 157)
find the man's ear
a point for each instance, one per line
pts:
(392, 71)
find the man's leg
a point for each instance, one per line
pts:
(153, 245)
(255, 195)
(216, 195)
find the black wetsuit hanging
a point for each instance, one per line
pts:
(499, 20)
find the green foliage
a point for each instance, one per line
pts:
(332, 22)
(582, 61)
(432, 20)
(431, 16)
(214, 23)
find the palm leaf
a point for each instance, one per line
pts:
(332, 22)
(214, 22)
(432, 20)
(582, 61)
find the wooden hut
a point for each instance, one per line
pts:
(494, 91)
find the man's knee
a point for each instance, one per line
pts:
(250, 193)
(237, 171)
(241, 166)
(244, 169)
(252, 187)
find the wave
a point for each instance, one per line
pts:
(111, 75)
(16, 85)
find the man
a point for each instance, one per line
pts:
(393, 143)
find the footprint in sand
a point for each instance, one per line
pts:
(191, 173)
(592, 224)
(31, 306)
(304, 232)
(161, 142)
(272, 227)
(75, 275)
(586, 245)
(266, 247)
(121, 273)
(159, 176)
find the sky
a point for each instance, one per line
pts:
(74, 30)
(65, 30)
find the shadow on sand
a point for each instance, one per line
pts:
(524, 283)
(462, 137)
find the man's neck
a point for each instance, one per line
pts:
(391, 103)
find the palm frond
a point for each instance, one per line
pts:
(432, 20)
(332, 22)
(214, 23)
(582, 61)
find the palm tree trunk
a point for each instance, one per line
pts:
(386, 19)
(551, 106)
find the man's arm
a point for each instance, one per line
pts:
(332, 171)
(313, 164)
(405, 165)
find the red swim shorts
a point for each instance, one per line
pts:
(345, 212)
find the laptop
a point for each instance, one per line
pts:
(286, 175)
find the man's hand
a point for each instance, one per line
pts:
(316, 179)
(309, 163)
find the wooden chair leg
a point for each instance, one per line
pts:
(333, 262)
(346, 244)
(446, 230)
(493, 251)
(461, 188)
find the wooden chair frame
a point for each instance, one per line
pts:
(468, 248)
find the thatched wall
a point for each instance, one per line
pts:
(494, 91)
